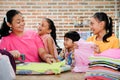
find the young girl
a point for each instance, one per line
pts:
(101, 25)
(47, 32)
(67, 53)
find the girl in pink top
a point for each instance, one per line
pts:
(47, 32)
(17, 41)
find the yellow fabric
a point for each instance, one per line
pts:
(113, 43)
(42, 67)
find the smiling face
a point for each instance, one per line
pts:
(17, 24)
(43, 28)
(96, 26)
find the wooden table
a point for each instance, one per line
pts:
(63, 76)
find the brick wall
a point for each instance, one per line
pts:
(64, 13)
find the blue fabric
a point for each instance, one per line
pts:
(69, 57)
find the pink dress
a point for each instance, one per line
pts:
(44, 38)
(27, 44)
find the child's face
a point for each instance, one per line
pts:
(96, 26)
(68, 43)
(43, 28)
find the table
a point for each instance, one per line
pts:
(63, 76)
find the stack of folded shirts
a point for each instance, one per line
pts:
(103, 68)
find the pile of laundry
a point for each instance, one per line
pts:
(105, 66)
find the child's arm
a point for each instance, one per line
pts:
(51, 46)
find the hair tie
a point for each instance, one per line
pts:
(108, 20)
(6, 19)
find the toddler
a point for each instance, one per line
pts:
(76, 52)
(67, 53)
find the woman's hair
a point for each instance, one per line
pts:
(73, 35)
(108, 24)
(5, 29)
(53, 29)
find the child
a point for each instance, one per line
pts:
(102, 27)
(47, 32)
(77, 52)
(67, 53)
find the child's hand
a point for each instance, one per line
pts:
(57, 60)
(50, 60)
(96, 49)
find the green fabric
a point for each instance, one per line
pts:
(42, 67)
(100, 58)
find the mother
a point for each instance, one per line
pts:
(17, 41)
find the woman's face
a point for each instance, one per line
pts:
(43, 28)
(68, 43)
(18, 23)
(96, 26)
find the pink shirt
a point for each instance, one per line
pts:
(27, 44)
(44, 38)
(81, 54)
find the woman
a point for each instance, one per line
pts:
(17, 41)
(101, 25)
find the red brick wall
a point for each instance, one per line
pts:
(64, 13)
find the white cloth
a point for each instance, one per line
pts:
(6, 70)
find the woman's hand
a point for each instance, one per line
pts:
(15, 53)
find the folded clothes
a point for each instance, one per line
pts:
(105, 63)
(100, 58)
(103, 68)
(97, 78)
(103, 73)
(111, 53)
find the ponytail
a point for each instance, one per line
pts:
(109, 30)
(5, 29)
